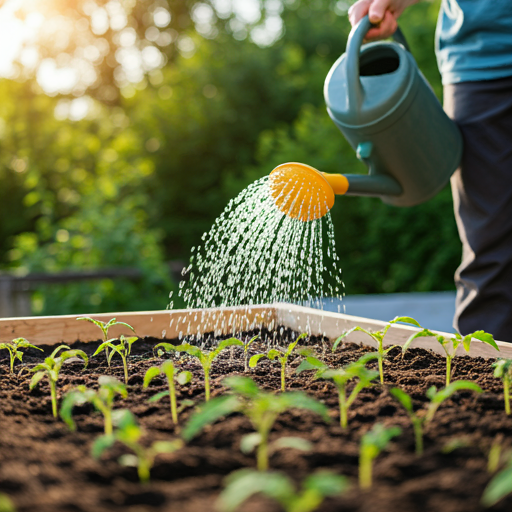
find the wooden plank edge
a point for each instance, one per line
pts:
(167, 324)
(332, 325)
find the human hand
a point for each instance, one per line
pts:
(381, 12)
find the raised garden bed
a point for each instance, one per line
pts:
(45, 467)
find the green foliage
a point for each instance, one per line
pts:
(14, 352)
(503, 371)
(6, 504)
(372, 443)
(51, 369)
(129, 433)
(206, 358)
(282, 356)
(378, 337)
(450, 344)
(340, 378)
(105, 326)
(260, 407)
(244, 483)
(124, 349)
(421, 417)
(247, 344)
(167, 368)
(499, 487)
(102, 400)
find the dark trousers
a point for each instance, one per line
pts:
(482, 196)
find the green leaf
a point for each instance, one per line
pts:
(253, 361)
(242, 484)
(502, 368)
(208, 413)
(485, 337)
(35, 379)
(326, 483)
(310, 363)
(249, 442)
(250, 342)
(297, 443)
(158, 396)
(75, 353)
(452, 388)
(300, 400)
(66, 411)
(103, 346)
(405, 319)
(150, 375)
(101, 444)
(425, 333)
(244, 386)
(292, 345)
(167, 446)
(273, 353)
(167, 347)
(123, 323)
(6, 505)
(111, 383)
(354, 329)
(184, 377)
(403, 398)
(499, 487)
(123, 418)
(228, 343)
(57, 350)
(191, 350)
(379, 436)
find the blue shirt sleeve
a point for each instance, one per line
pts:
(474, 40)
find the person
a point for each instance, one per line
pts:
(474, 54)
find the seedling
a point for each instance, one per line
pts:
(123, 349)
(130, 433)
(205, 358)
(102, 400)
(105, 326)
(260, 407)
(167, 368)
(421, 417)
(340, 378)
(499, 487)
(372, 443)
(244, 483)
(450, 344)
(503, 371)
(51, 369)
(13, 348)
(378, 337)
(247, 344)
(282, 356)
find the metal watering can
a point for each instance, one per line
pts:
(383, 105)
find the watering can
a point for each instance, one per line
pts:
(386, 109)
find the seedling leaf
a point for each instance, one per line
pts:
(209, 413)
(242, 385)
(403, 398)
(101, 444)
(254, 360)
(297, 443)
(184, 377)
(158, 396)
(249, 442)
(499, 487)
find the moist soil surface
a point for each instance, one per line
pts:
(45, 467)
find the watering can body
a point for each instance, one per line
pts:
(389, 114)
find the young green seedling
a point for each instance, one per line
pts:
(378, 337)
(423, 416)
(167, 368)
(282, 356)
(340, 378)
(372, 443)
(51, 369)
(129, 433)
(499, 486)
(260, 407)
(102, 400)
(450, 344)
(205, 358)
(503, 371)
(13, 348)
(247, 344)
(123, 349)
(105, 326)
(244, 483)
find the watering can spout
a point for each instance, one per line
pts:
(302, 192)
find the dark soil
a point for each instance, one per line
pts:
(46, 468)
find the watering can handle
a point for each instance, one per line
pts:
(355, 40)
